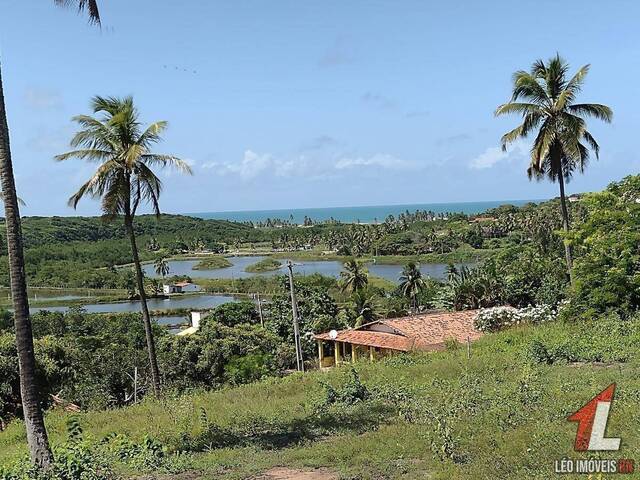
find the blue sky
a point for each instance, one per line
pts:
(295, 103)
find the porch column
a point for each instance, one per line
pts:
(336, 351)
(320, 353)
(371, 354)
(354, 354)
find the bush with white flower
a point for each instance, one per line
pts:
(498, 318)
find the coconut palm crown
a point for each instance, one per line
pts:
(546, 99)
(354, 277)
(117, 142)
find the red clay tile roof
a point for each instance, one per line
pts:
(371, 339)
(428, 331)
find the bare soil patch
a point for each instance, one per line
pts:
(283, 473)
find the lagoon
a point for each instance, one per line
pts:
(187, 301)
(329, 268)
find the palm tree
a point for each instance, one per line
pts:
(546, 100)
(354, 277)
(37, 439)
(411, 283)
(364, 307)
(161, 267)
(124, 178)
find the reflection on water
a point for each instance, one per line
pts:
(330, 268)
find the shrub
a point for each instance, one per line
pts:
(352, 392)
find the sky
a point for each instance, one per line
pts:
(294, 104)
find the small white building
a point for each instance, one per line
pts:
(180, 287)
(196, 317)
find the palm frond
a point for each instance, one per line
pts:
(152, 134)
(167, 161)
(556, 70)
(90, 5)
(517, 107)
(541, 146)
(511, 136)
(97, 184)
(92, 155)
(526, 86)
(592, 143)
(595, 110)
(150, 186)
(531, 121)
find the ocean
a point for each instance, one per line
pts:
(363, 214)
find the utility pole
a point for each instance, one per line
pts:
(260, 309)
(296, 326)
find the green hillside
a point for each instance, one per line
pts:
(500, 414)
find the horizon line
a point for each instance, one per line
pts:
(502, 202)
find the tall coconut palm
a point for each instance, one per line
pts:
(161, 267)
(354, 277)
(411, 283)
(115, 140)
(37, 439)
(546, 100)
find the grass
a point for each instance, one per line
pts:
(212, 263)
(500, 414)
(264, 265)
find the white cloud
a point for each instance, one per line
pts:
(251, 165)
(42, 99)
(383, 160)
(309, 165)
(494, 155)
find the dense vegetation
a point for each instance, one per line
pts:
(264, 265)
(212, 263)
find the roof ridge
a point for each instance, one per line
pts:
(400, 331)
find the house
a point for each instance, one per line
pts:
(168, 288)
(180, 287)
(196, 317)
(425, 332)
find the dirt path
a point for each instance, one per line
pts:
(278, 473)
(283, 473)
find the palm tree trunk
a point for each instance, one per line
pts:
(146, 318)
(565, 225)
(33, 417)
